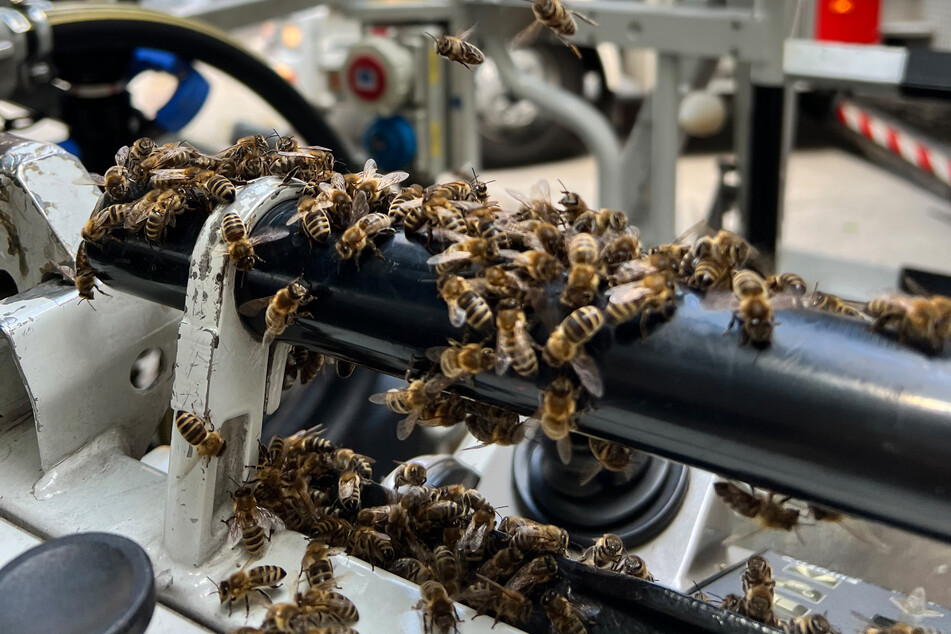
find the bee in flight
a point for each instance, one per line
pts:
(457, 49)
(557, 17)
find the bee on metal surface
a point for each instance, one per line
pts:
(412, 570)
(770, 513)
(162, 214)
(447, 568)
(758, 605)
(633, 566)
(565, 619)
(476, 251)
(331, 530)
(251, 524)
(541, 266)
(502, 564)
(332, 197)
(786, 283)
(557, 414)
(557, 17)
(282, 617)
(755, 312)
(583, 279)
(372, 546)
(376, 516)
(239, 585)
(495, 426)
(83, 276)
(119, 184)
(323, 607)
(139, 212)
(501, 282)
(314, 221)
(810, 624)
(513, 343)
(566, 345)
(711, 273)
(895, 628)
(411, 473)
(460, 361)
(832, 304)
(607, 549)
(282, 308)
(203, 437)
(477, 534)
(457, 49)
(316, 566)
(538, 571)
(488, 597)
(96, 228)
(361, 233)
(466, 306)
(439, 611)
(732, 603)
(234, 233)
(541, 538)
(348, 490)
(409, 400)
(758, 572)
(610, 456)
(601, 222)
(915, 319)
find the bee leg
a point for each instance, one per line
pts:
(645, 318)
(99, 288)
(376, 251)
(733, 321)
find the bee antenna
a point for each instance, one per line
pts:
(432, 36)
(217, 590)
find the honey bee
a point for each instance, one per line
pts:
(583, 279)
(786, 283)
(282, 309)
(502, 564)
(439, 611)
(138, 213)
(361, 233)
(513, 343)
(537, 204)
(538, 571)
(541, 266)
(460, 361)
(322, 607)
(626, 247)
(710, 273)
(375, 186)
(611, 457)
(333, 198)
(83, 276)
(633, 566)
(755, 312)
(206, 441)
(411, 473)
(412, 570)
(488, 597)
(316, 565)
(566, 344)
(241, 584)
(733, 603)
(446, 567)
(309, 363)
(96, 228)
(410, 400)
(251, 524)
(541, 538)
(915, 319)
(894, 628)
(314, 221)
(119, 184)
(557, 414)
(373, 547)
(758, 572)
(304, 165)
(810, 624)
(601, 222)
(331, 530)
(557, 17)
(162, 214)
(495, 426)
(565, 619)
(240, 247)
(758, 605)
(282, 617)
(308, 441)
(397, 211)
(474, 540)
(607, 549)
(476, 251)
(348, 490)
(769, 512)
(832, 304)
(457, 49)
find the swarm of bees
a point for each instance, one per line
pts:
(449, 540)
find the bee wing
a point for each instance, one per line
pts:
(466, 205)
(347, 487)
(369, 168)
(268, 520)
(67, 272)
(520, 197)
(234, 531)
(296, 217)
(171, 174)
(564, 449)
(541, 191)
(254, 306)
(448, 256)
(437, 384)
(360, 208)
(435, 354)
(315, 148)
(588, 373)
(122, 156)
(582, 17)
(629, 292)
(413, 203)
(336, 181)
(269, 235)
(695, 231)
(526, 35)
(95, 179)
(502, 360)
(457, 316)
(785, 301)
(522, 340)
(465, 34)
(720, 300)
(393, 178)
(589, 472)
(379, 398)
(526, 431)
(405, 426)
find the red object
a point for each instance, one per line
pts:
(366, 77)
(855, 21)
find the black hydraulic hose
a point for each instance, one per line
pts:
(829, 412)
(79, 28)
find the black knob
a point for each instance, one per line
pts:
(90, 583)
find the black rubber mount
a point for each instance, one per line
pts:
(635, 508)
(90, 583)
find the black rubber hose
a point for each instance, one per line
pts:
(80, 28)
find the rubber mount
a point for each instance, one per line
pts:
(635, 508)
(90, 583)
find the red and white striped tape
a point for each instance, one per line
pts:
(914, 149)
